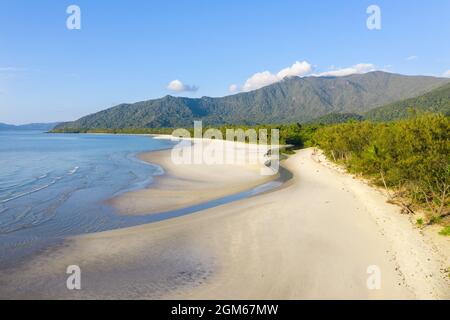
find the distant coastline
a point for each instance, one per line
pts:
(29, 127)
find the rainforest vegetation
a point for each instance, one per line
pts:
(410, 158)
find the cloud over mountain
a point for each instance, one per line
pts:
(298, 69)
(265, 78)
(356, 69)
(178, 86)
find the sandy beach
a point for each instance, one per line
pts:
(314, 238)
(184, 185)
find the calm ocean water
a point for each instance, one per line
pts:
(55, 185)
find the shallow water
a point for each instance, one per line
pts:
(55, 185)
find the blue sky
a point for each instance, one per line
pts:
(128, 51)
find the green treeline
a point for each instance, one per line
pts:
(296, 135)
(411, 158)
(115, 131)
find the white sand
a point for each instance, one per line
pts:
(315, 238)
(184, 185)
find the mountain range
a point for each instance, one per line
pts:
(293, 99)
(30, 126)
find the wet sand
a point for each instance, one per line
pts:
(185, 185)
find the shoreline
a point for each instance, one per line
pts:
(313, 238)
(188, 185)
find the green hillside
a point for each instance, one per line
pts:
(291, 100)
(437, 100)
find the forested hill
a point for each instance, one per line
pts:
(291, 100)
(437, 100)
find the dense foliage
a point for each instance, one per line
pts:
(334, 118)
(295, 135)
(411, 157)
(115, 131)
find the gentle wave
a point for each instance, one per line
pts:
(76, 203)
(25, 183)
(31, 191)
(158, 170)
(73, 171)
(30, 217)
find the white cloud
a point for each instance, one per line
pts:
(411, 58)
(259, 80)
(446, 74)
(233, 88)
(296, 70)
(178, 86)
(356, 69)
(265, 78)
